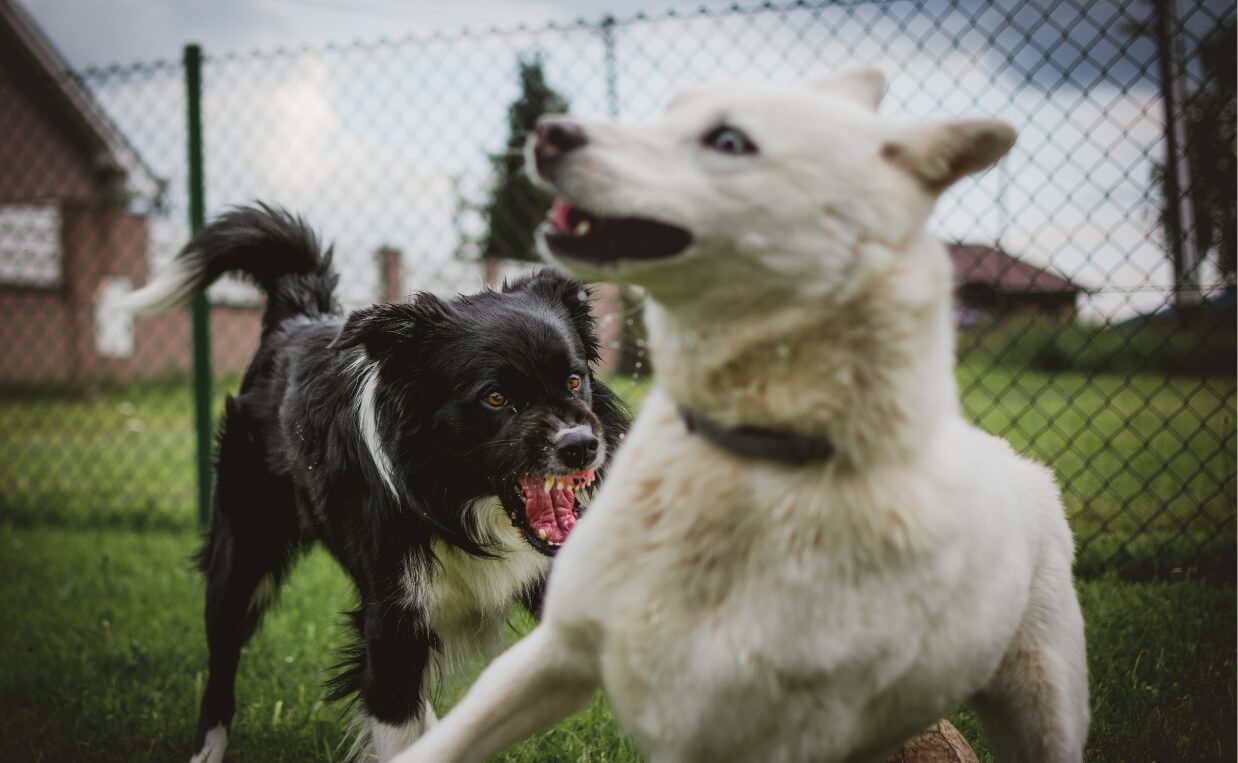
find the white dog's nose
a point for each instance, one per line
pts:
(557, 136)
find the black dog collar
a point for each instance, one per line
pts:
(758, 442)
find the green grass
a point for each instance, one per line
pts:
(104, 656)
(121, 458)
(1205, 346)
(104, 651)
(1147, 462)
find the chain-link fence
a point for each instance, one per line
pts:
(1094, 265)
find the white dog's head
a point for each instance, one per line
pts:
(798, 189)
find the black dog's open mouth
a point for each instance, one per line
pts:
(574, 233)
(545, 507)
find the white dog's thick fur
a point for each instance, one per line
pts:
(737, 609)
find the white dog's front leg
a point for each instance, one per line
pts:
(530, 686)
(1035, 709)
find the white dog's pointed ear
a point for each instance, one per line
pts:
(941, 153)
(865, 86)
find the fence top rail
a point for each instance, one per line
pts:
(460, 33)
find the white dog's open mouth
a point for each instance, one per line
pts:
(574, 233)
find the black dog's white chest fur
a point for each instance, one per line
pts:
(468, 599)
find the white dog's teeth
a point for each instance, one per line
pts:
(542, 533)
(582, 228)
(549, 482)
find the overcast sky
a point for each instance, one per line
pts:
(382, 145)
(95, 32)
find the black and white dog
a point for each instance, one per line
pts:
(440, 450)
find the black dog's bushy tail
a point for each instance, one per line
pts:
(273, 248)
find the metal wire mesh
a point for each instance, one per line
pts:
(1090, 337)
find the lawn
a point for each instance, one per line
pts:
(1148, 464)
(104, 651)
(104, 654)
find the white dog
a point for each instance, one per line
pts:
(803, 552)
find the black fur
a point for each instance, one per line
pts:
(293, 467)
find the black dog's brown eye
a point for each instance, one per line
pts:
(728, 140)
(495, 399)
(573, 381)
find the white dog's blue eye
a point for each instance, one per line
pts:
(728, 140)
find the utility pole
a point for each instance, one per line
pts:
(1179, 212)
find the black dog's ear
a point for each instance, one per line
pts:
(575, 297)
(381, 328)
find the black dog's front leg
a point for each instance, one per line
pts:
(533, 596)
(398, 649)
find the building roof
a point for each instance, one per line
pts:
(109, 149)
(984, 265)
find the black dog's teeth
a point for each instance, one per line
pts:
(584, 493)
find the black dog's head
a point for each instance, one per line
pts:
(493, 394)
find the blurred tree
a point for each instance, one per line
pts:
(516, 207)
(1211, 142)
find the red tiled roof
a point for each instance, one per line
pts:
(982, 265)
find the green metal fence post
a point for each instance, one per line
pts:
(612, 69)
(200, 310)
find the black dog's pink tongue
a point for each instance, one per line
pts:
(558, 216)
(551, 512)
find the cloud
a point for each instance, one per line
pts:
(92, 33)
(383, 144)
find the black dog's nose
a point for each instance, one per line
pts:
(558, 135)
(576, 447)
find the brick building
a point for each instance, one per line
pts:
(69, 234)
(993, 283)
